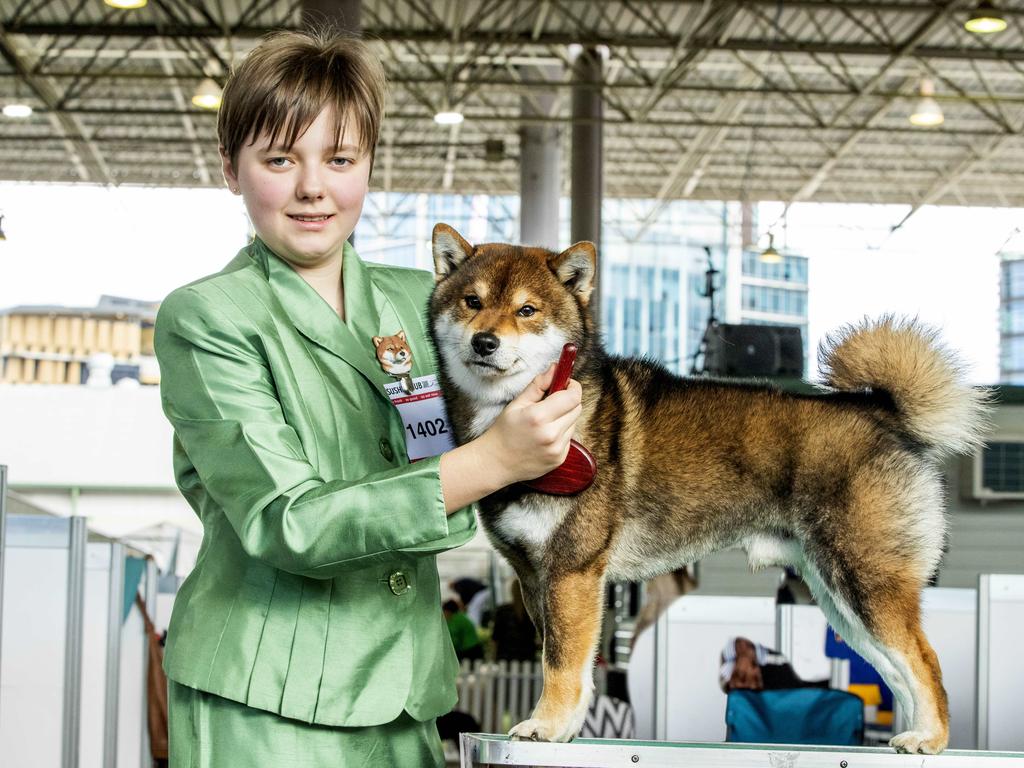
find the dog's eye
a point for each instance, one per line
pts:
(473, 302)
(526, 311)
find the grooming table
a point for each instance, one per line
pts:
(479, 749)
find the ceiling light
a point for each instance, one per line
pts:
(17, 110)
(207, 95)
(769, 255)
(126, 5)
(927, 112)
(985, 19)
(448, 118)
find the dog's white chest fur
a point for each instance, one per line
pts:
(483, 416)
(530, 525)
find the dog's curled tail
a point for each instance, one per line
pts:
(925, 380)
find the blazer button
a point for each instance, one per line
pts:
(386, 450)
(398, 583)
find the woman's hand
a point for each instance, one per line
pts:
(531, 435)
(529, 438)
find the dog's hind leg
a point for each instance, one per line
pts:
(898, 629)
(849, 626)
(870, 554)
(572, 626)
(885, 629)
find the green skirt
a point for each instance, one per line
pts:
(208, 731)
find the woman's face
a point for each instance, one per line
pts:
(303, 202)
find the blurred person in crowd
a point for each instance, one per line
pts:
(751, 666)
(463, 633)
(514, 635)
(475, 597)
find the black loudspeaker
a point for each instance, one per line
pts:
(754, 350)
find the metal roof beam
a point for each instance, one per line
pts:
(583, 37)
(685, 56)
(906, 48)
(85, 155)
(949, 180)
(493, 114)
(486, 80)
(189, 127)
(693, 163)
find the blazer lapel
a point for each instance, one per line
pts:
(379, 306)
(315, 319)
(398, 309)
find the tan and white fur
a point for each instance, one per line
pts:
(843, 484)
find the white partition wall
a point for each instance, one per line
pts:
(800, 637)
(101, 653)
(132, 724)
(1000, 671)
(689, 704)
(3, 528)
(40, 680)
(948, 617)
(640, 682)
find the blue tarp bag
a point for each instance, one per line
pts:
(795, 716)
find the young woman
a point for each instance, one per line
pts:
(309, 632)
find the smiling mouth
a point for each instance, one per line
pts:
(494, 369)
(482, 364)
(298, 217)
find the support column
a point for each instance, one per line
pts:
(540, 171)
(335, 16)
(587, 158)
(338, 15)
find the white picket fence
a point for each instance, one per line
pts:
(499, 694)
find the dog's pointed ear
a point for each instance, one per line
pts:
(450, 250)
(576, 267)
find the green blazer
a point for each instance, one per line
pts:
(315, 594)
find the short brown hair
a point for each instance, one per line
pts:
(290, 78)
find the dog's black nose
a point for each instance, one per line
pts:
(485, 343)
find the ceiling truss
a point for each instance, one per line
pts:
(704, 99)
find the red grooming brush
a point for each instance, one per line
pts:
(579, 468)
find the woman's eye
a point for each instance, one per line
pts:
(473, 302)
(277, 162)
(342, 161)
(526, 311)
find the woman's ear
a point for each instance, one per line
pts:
(230, 177)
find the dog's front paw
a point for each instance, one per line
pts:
(536, 729)
(918, 742)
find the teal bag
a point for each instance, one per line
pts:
(795, 716)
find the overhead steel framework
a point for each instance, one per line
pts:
(710, 99)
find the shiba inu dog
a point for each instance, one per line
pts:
(843, 485)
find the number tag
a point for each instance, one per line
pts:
(423, 414)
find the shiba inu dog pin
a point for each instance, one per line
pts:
(395, 357)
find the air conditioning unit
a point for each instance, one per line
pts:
(997, 470)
